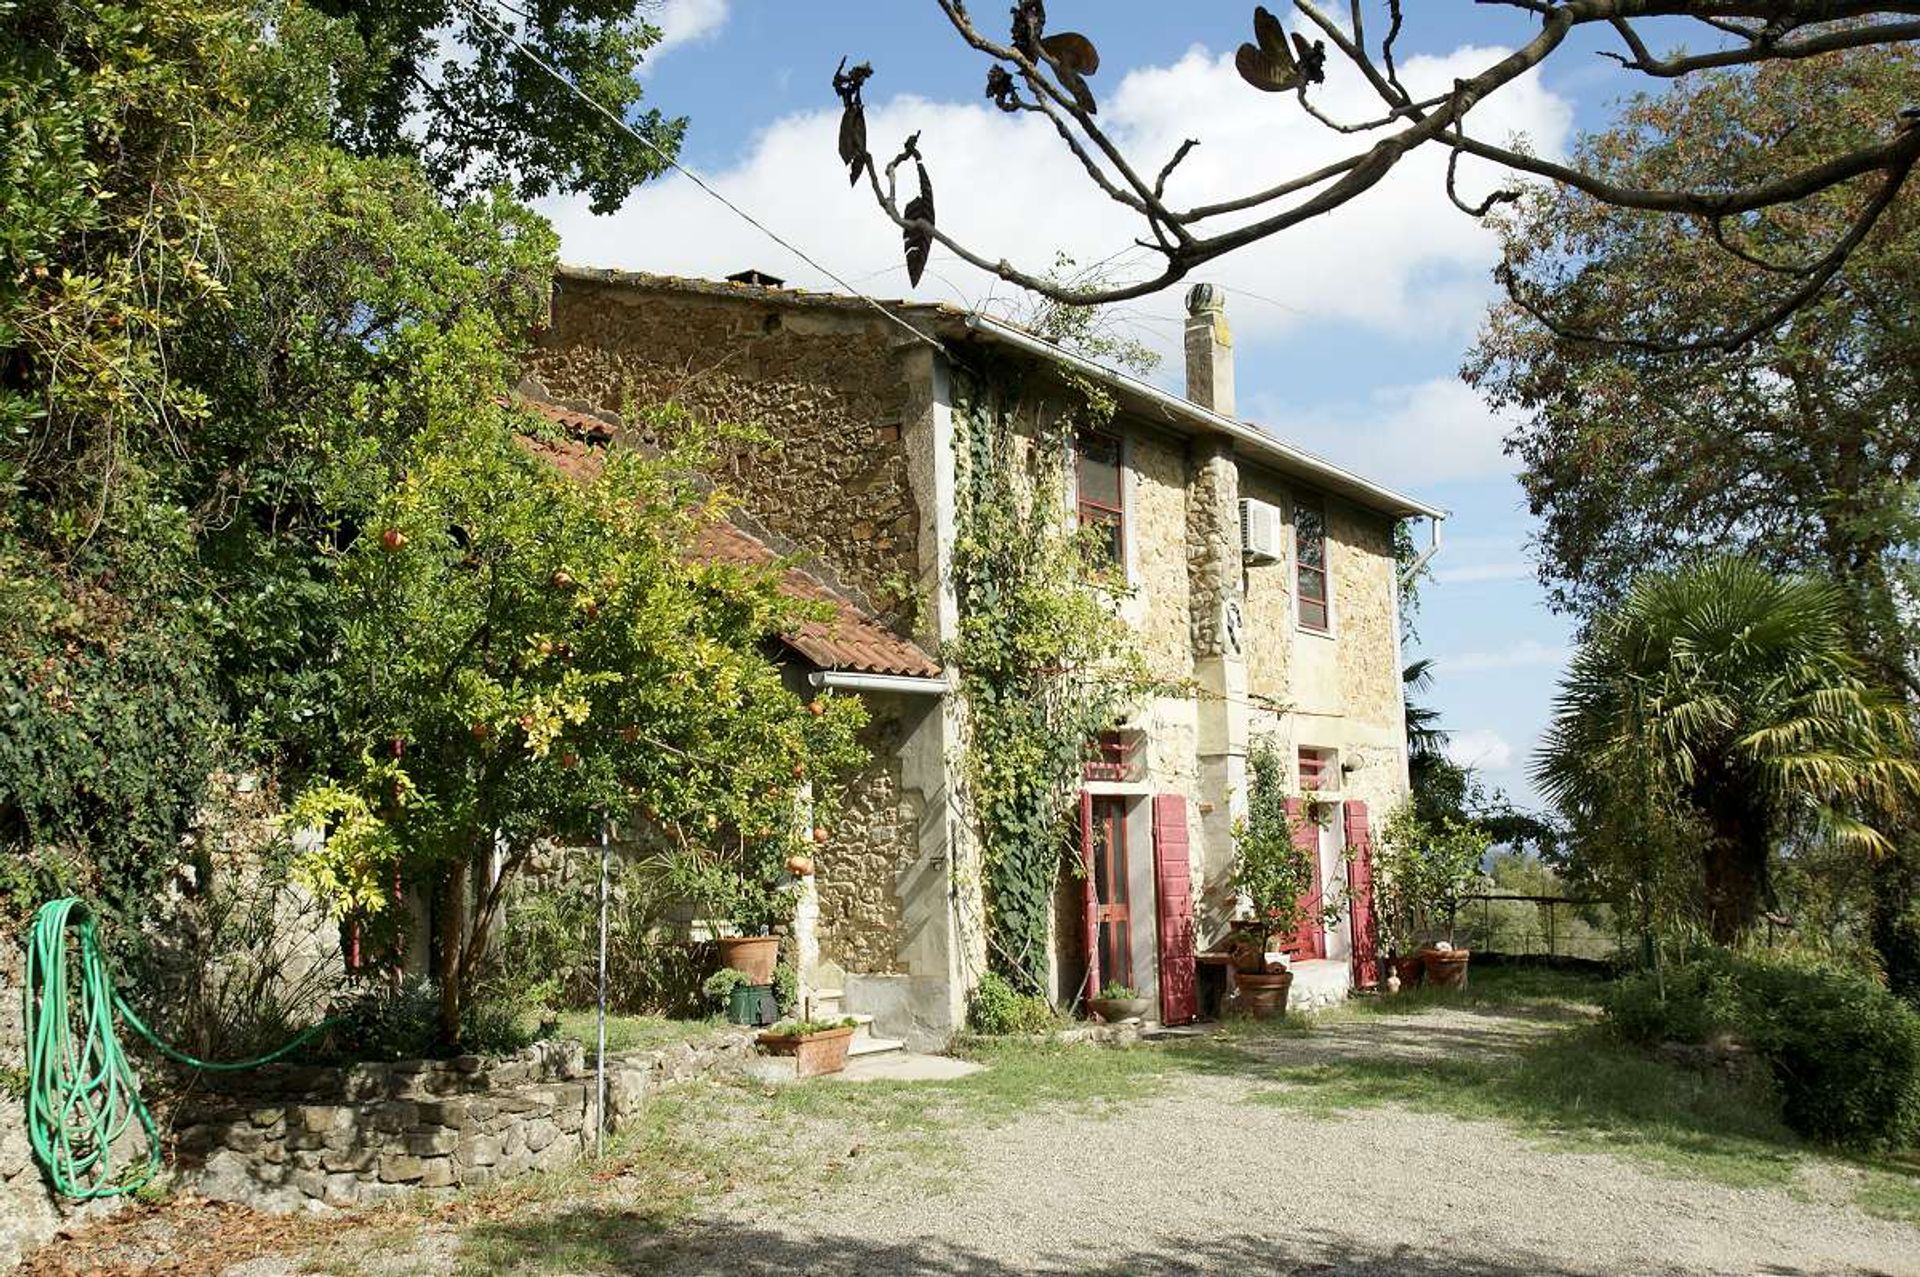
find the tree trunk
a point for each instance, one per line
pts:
(1735, 865)
(451, 916)
(1895, 915)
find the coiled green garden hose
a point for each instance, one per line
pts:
(82, 1094)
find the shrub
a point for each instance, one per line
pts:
(548, 948)
(997, 1007)
(384, 1023)
(1844, 1053)
(720, 985)
(1685, 1004)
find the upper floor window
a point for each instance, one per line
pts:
(1102, 496)
(1317, 769)
(1310, 558)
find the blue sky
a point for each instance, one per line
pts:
(1349, 331)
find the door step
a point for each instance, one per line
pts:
(864, 1044)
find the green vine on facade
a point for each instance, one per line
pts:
(1045, 661)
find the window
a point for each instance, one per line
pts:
(1318, 769)
(1310, 558)
(1101, 490)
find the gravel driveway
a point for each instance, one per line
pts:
(1212, 1168)
(1204, 1179)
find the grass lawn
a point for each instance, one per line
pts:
(638, 1032)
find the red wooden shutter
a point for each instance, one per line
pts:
(1311, 940)
(1090, 915)
(1366, 966)
(1173, 909)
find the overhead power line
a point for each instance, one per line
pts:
(475, 8)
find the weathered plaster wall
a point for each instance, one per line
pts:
(1339, 690)
(1270, 633)
(831, 388)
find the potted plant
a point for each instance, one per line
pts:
(1118, 1002)
(731, 990)
(1272, 875)
(751, 898)
(1434, 866)
(817, 1046)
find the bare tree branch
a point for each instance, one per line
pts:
(1738, 33)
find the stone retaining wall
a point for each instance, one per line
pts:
(290, 1137)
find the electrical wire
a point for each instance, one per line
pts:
(665, 157)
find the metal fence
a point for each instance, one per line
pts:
(1538, 926)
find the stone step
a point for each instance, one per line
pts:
(863, 1045)
(827, 1003)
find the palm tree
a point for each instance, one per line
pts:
(1426, 739)
(1730, 695)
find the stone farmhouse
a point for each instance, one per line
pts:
(1260, 577)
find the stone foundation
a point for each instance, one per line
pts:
(288, 1138)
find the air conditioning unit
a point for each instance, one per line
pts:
(1260, 532)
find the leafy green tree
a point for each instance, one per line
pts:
(1271, 871)
(1427, 866)
(245, 261)
(1732, 696)
(441, 81)
(526, 654)
(1798, 449)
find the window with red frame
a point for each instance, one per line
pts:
(1101, 490)
(1310, 559)
(1317, 769)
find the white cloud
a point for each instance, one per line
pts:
(1478, 573)
(1434, 431)
(1399, 259)
(1482, 748)
(684, 22)
(1526, 652)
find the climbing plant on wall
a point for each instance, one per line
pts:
(1044, 659)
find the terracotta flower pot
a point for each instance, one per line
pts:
(1114, 1010)
(1249, 944)
(1262, 994)
(813, 1053)
(1409, 966)
(752, 956)
(1446, 968)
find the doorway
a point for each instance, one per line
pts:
(1110, 894)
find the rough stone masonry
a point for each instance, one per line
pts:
(290, 1137)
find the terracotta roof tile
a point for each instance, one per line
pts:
(850, 640)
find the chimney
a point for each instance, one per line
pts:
(1209, 349)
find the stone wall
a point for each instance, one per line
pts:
(287, 1137)
(1157, 516)
(829, 387)
(857, 870)
(1213, 545)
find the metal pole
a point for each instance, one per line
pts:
(600, 1050)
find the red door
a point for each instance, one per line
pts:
(1310, 941)
(1173, 897)
(1366, 966)
(1109, 906)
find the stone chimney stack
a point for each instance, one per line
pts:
(1209, 349)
